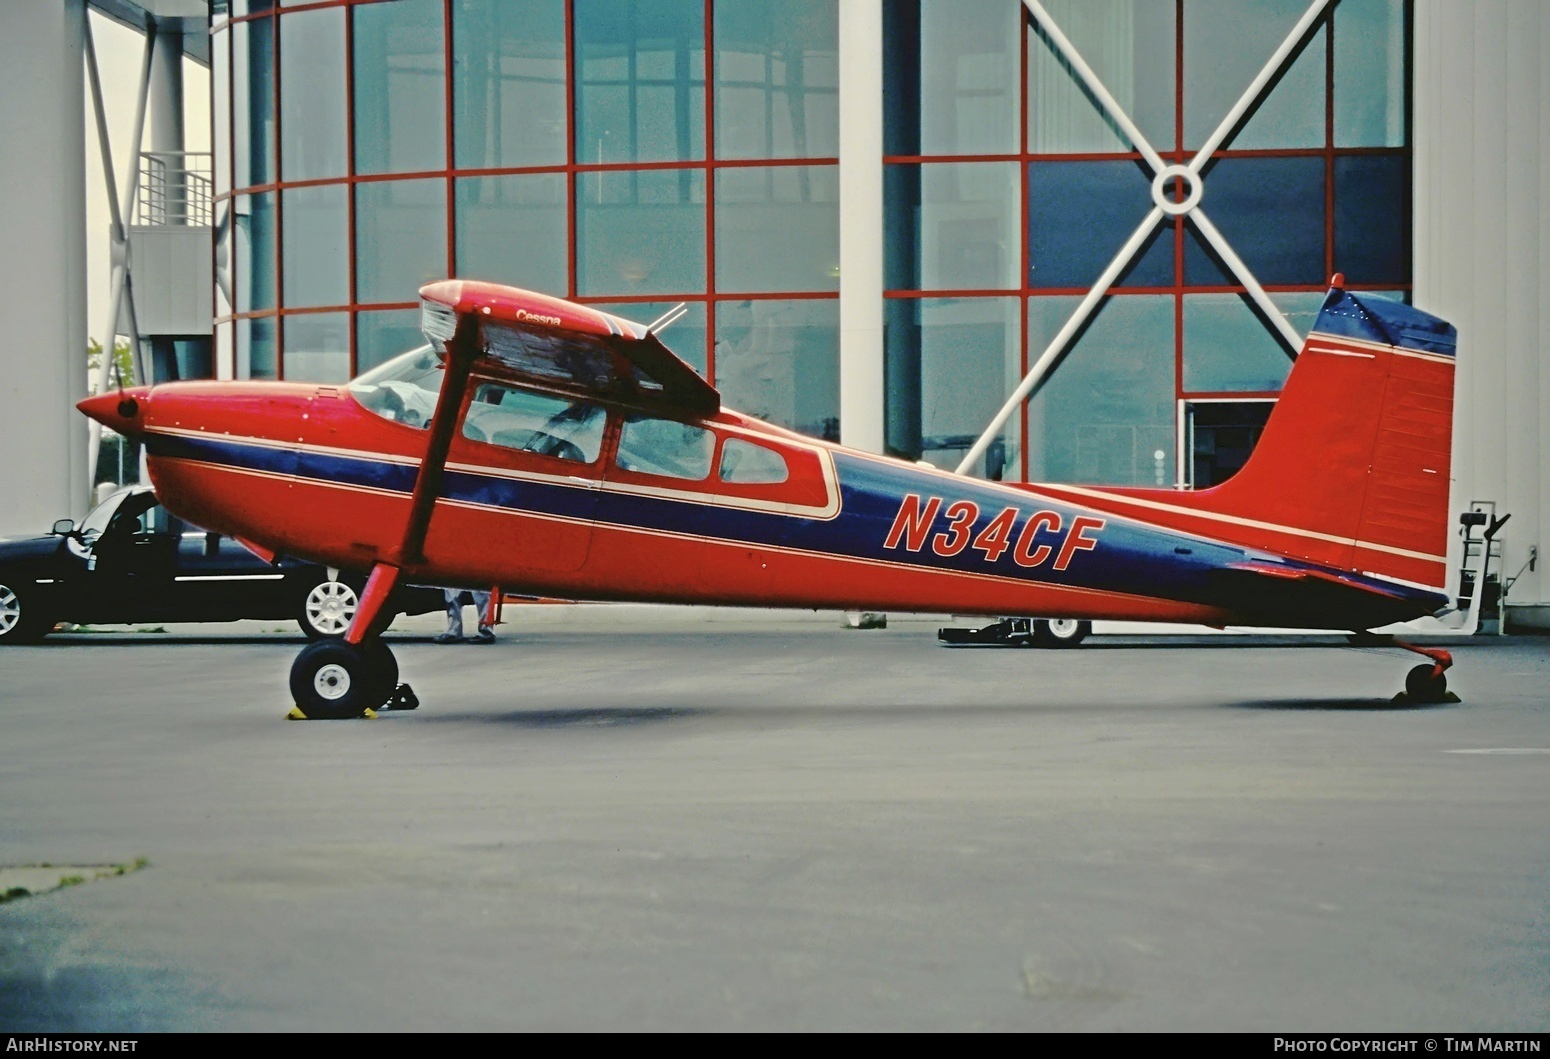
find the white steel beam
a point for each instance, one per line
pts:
(1162, 175)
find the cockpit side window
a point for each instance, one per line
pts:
(535, 422)
(666, 447)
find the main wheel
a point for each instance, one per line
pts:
(332, 679)
(1424, 684)
(328, 609)
(381, 672)
(20, 619)
(1060, 632)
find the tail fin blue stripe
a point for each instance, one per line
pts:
(1374, 319)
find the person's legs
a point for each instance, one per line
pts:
(482, 605)
(454, 632)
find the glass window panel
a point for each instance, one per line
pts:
(952, 226)
(962, 97)
(1271, 211)
(400, 112)
(317, 237)
(745, 463)
(400, 238)
(1105, 415)
(256, 351)
(253, 138)
(220, 108)
(777, 228)
(384, 334)
(317, 347)
(640, 232)
(513, 230)
(1130, 46)
(1079, 216)
(640, 81)
(255, 251)
(777, 78)
(951, 364)
(536, 422)
(1372, 218)
(1226, 42)
(1227, 346)
(665, 447)
(780, 361)
(508, 82)
(1370, 73)
(685, 336)
(1292, 114)
(312, 103)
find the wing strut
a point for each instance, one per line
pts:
(373, 615)
(462, 351)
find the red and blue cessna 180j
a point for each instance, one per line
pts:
(539, 446)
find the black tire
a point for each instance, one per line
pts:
(381, 673)
(327, 609)
(20, 619)
(331, 679)
(1060, 632)
(1424, 684)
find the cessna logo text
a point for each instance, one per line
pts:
(538, 318)
(1041, 537)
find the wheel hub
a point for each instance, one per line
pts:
(332, 682)
(330, 606)
(10, 610)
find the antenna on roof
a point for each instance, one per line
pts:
(667, 319)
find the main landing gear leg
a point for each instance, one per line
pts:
(334, 679)
(1426, 683)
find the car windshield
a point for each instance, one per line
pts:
(99, 517)
(403, 389)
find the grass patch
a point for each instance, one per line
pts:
(29, 880)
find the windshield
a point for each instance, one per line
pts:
(97, 521)
(404, 389)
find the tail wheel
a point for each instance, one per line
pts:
(1425, 684)
(1060, 632)
(20, 619)
(328, 609)
(331, 679)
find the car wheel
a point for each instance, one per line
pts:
(1060, 632)
(328, 609)
(20, 619)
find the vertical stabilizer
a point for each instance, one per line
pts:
(1353, 467)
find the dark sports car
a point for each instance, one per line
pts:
(132, 561)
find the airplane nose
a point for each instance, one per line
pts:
(122, 411)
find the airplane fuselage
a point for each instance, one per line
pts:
(307, 471)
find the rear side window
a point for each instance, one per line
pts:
(745, 463)
(665, 447)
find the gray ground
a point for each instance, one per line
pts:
(627, 818)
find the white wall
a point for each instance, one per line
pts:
(42, 268)
(1482, 252)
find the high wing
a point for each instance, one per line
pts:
(560, 345)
